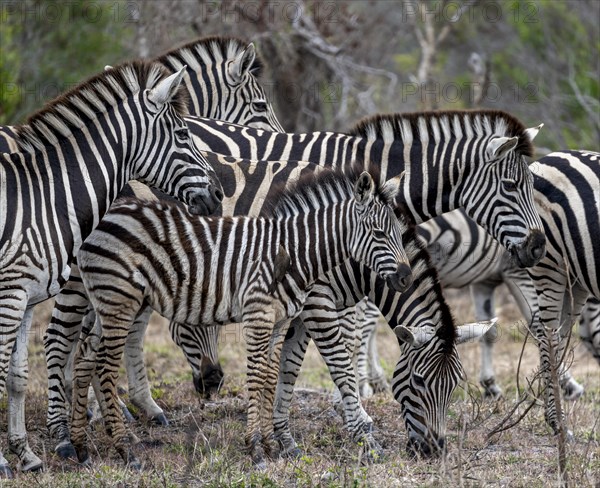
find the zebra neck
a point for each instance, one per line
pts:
(93, 167)
(315, 245)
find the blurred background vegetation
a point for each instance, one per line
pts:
(331, 63)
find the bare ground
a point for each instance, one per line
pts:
(203, 446)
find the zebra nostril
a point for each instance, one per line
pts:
(218, 194)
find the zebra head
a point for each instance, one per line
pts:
(376, 239)
(165, 156)
(200, 347)
(254, 108)
(500, 198)
(428, 372)
(223, 81)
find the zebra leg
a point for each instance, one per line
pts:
(84, 367)
(60, 343)
(521, 286)
(589, 327)
(13, 309)
(483, 300)
(16, 387)
(558, 312)
(377, 378)
(362, 353)
(269, 441)
(258, 329)
(292, 355)
(335, 342)
(139, 388)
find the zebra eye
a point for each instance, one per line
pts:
(419, 380)
(260, 106)
(509, 185)
(379, 233)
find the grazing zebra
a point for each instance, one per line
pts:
(461, 146)
(202, 271)
(429, 368)
(231, 67)
(76, 155)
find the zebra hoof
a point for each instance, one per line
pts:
(372, 451)
(292, 453)
(573, 390)
(160, 419)
(127, 414)
(66, 450)
(380, 386)
(33, 466)
(134, 465)
(366, 391)
(6, 472)
(491, 391)
(83, 455)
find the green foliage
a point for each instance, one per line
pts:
(49, 46)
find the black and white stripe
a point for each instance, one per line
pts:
(202, 271)
(75, 156)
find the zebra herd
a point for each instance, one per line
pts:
(298, 236)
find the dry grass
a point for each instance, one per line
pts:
(204, 444)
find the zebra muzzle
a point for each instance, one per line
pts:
(401, 279)
(531, 251)
(206, 204)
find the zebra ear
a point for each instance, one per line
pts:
(533, 131)
(416, 337)
(500, 146)
(166, 89)
(473, 331)
(108, 67)
(392, 186)
(363, 188)
(242, 63)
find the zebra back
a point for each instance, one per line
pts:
(470, 159)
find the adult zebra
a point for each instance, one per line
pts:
(469, 151)
(201, 271)
(76, 155)
(232, 69)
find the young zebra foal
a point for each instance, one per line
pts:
(201, 271)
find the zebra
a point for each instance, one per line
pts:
(232, 68)
(76, 154)
(465, 256)
(508, 211)
(202, 271)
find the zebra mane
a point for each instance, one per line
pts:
(479, 122)
(75, 108)
(319, 189)
(207, 51)
(425, 274)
